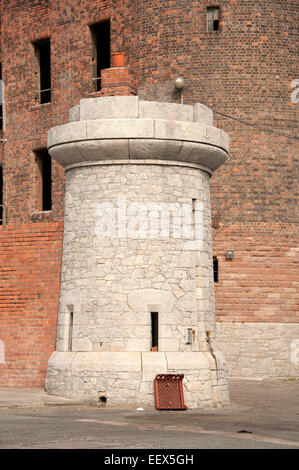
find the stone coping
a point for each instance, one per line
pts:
(112, 107)
(118, 128)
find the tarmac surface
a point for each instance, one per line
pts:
(262, 415)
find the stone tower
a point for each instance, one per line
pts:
(137, 279)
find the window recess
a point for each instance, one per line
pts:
(100, 33)
(154, 331)
(43, 180)
(213, 16)
(43, 54)
(215, 268)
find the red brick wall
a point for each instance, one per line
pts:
(30, 263)
(244, 71)
(261, 283)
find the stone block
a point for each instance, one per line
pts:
(169, 344)
(65, 154)
(180, 130)
(117, 361)
(202, 114)
(187, 360)
(217, 137)
(207, 156)
(71, 132)
(187, 260)
(153, 363)
(109, 107)
(120, 129)
(153, 149)
(74, 114)
(142, 299)
(170, 111)
(100, 150)
(137, 344)
(82, 344)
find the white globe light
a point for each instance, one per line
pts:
(179, 83)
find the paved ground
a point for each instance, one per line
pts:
(27, 397)
(262, 415)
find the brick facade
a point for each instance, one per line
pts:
(30, 264)
(245, 71)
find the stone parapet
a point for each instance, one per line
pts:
(126, 128)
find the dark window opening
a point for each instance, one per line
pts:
(44, 183)
(44, 58)
(1, 99)
(154, 325)
(213, 18)
(71, 321)
(215, 268)
(193, 211)
(101, 50)
(1, 195)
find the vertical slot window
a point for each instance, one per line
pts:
(215, 268)
(70, 327)
(44, 180)
(193, 211)
(1, 195)
(154, 331)
(43, 53)
(213, 18)
(101, 50)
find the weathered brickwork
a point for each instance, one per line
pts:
(30, 265)
(261, 283)
(245, 71)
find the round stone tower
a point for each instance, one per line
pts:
(137, 293)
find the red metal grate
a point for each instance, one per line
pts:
(169, 392)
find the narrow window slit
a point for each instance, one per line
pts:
(193, 210)
(215, 268)
(155, 330)
(70, 327)
(44, 180)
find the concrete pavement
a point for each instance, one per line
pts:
(262, 414)
(31, 397)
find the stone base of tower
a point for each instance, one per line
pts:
(127, 378)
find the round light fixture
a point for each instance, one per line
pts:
(179, 83)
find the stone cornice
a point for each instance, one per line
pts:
(124, 128)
